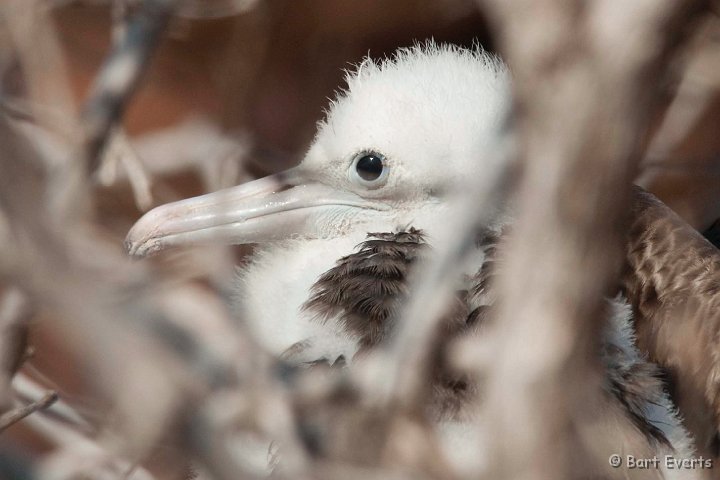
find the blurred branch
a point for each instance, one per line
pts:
(14, 315)
(28, 390)
(150, 358)
(399, 373)
(215, 8)
(583, 73)
(121, 74)
(118, 152)
(197, 145)
(77, 456)
(50, 102)
(699, 85)
(120, 12)
(37, 48)
(13, 416)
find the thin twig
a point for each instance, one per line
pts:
(27, 390)
(121, 74)
(119, 151)
(14, 317)
(13, 416)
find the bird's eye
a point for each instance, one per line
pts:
(368, 169)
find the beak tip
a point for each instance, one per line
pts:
(142, 239)
(132, 248)
(138, 247)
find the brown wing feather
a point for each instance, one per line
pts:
(364, 290)
(672, 280)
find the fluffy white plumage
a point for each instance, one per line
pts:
(434, 113)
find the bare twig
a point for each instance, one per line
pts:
(77, 302)
(215, 8)
(78, 454)
(13, 416)
(28, 390)
(14, 314)
(119, 151)
(121, 73)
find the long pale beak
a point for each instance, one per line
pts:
(271, 208)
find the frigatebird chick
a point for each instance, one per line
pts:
(394, 151)
(395, 148)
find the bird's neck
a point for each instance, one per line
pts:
(272, 287)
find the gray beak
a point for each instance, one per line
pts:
(271, 208)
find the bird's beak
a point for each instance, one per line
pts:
(271, 208)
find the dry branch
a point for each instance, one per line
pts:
(398, 374)
(14, 316)
(149, 358)
(584, 74)
(121, 73)
(13, 416)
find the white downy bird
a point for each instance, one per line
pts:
(394, 151)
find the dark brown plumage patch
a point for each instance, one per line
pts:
(364, 292)
(365, 289)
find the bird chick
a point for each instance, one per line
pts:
(395, 151)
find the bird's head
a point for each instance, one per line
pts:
(401, 140)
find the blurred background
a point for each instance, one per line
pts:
(262, 77)
(244, 84)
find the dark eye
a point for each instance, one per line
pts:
(368, 169)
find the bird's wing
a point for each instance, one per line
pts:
(672, 281)
(363, 290)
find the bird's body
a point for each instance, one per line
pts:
(395, 151)
(275, 284)
(672, 280)
(278, 282)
